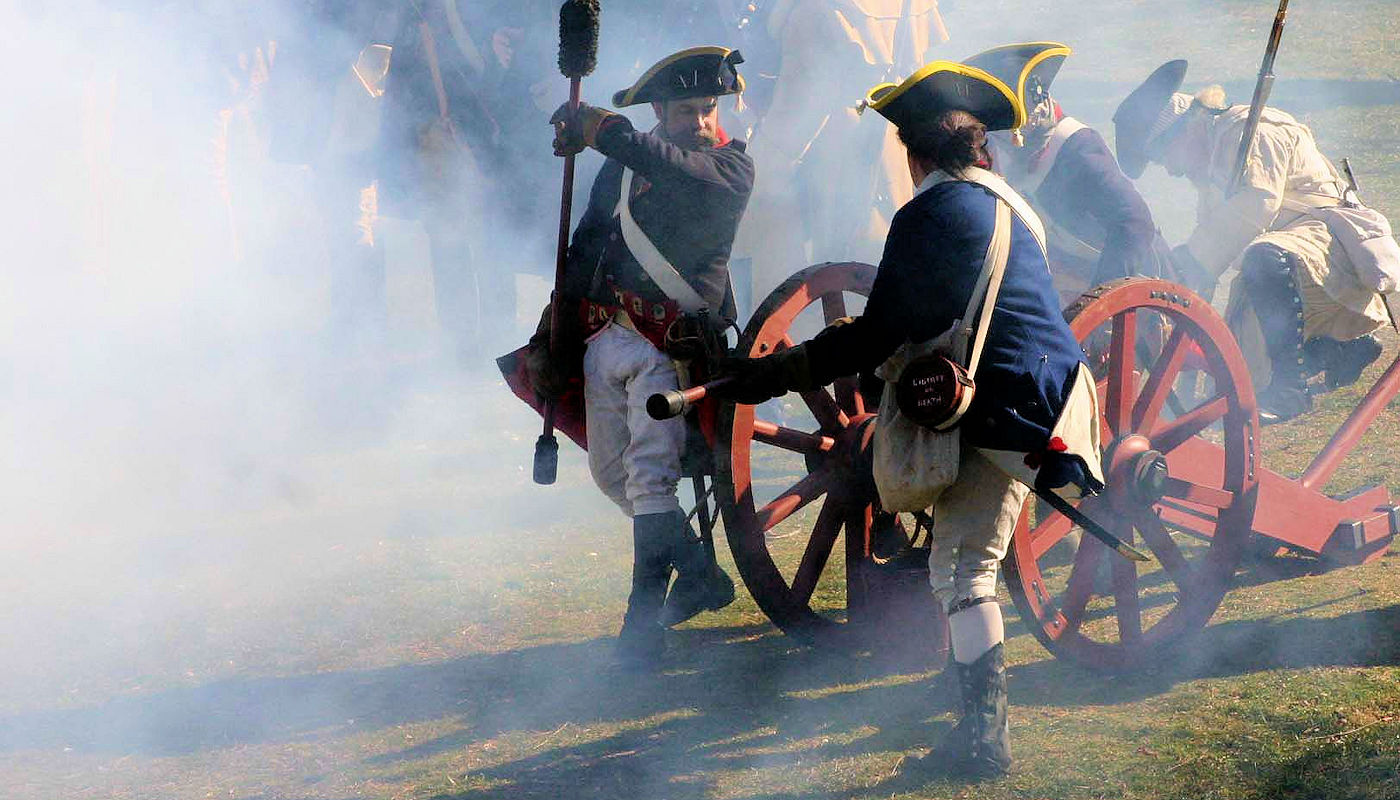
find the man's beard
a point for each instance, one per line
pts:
(695, 140)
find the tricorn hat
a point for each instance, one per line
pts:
(696, 72)
(1147, 113)
(1028, 68)
(944, 85)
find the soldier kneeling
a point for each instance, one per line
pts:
(1308, 289)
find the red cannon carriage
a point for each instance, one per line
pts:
(1183, 480)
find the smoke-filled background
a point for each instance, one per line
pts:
(268, 523)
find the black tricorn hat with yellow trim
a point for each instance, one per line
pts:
(943, 85)
(1028, 68)
(696, 72)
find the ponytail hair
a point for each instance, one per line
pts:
(1211, 98)
(952, 141)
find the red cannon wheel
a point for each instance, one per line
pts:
(788, 492)
(1179, 425)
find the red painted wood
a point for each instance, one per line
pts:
(1215, 471)
(1346, 437)
(1121, 373)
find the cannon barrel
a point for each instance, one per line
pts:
(665, 405)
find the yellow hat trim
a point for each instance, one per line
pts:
(1053, 49)
(1048, 50)
(704, 50)
(882, 95)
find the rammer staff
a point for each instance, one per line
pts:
(578, 55)
(1262, 87)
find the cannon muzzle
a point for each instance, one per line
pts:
(665, 405)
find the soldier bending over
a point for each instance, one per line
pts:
(1314, 313)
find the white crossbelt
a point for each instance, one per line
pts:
(1066, 128)
(666, 277)
(993, 183)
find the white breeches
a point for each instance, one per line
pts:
(973, 522)
(635, 459)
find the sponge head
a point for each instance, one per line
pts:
(578, 37)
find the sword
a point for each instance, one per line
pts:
(1352, 196)
(1097, 531)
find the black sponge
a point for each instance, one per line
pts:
(578, 37)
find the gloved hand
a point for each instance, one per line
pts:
(1191, 272)
(549, 372)
(546, 378)
(756, 380)
(1059, 469)
(572, 133)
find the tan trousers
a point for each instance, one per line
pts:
(973, 522)
(1334, 304)
(635, 459)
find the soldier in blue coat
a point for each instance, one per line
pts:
(1031, 371)
(1097, 224)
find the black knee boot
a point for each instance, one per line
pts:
(642, 642)
(1268, 276)
(700, 584)
(979, 746)
(983, 685)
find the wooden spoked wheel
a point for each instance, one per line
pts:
(1179, 425)
(793, 490)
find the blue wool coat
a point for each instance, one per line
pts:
(1087, 195)
(933, 256)
(688, 202)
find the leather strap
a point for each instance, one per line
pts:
(665, 276)
(995, 184)
(988, 285)
(1066, 128)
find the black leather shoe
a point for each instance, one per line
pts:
(1282, 403)
(700, 584)
(692, 594)
(641, 646)
(1350, 359)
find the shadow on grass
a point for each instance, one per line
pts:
(1284, 641)
(730, 698)
(744, 700)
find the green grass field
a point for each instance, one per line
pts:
(405, 616)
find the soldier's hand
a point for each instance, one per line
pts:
(1191, 272)
(574, 132)
(751, 380)
(568, 139)
(544, 374)
(1059, 470)
(550, 369)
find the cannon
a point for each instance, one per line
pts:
(803, 522)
